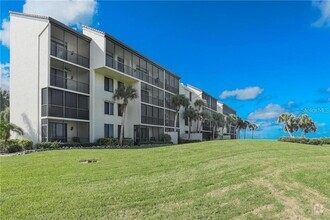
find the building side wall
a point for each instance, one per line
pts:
(29, 58)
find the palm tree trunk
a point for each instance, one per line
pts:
(175, 119)
(213, 132)
(252, 133)
(122, 125)
(244, 133)
(189, 123)
(197, 128)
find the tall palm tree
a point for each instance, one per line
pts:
(239, 125)
(190, 115)
(204, 116)
(245, 125)
(5, 114)
(179, 101)
(290, 123)
(124, 93)
(4, 99)
(306, 124)
(199, 104)
(219, 120)
(230, 119)
(252, 127)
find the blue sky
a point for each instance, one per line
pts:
(261, 58)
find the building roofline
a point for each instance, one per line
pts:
(52, 20)
(230, 108)
(131, 49)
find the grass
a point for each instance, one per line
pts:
(216, 179)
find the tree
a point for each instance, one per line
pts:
(290, 123)
(245, 125)
(253, 127)
(306, 124)
(124, 93)
(199, 104)
(230, 119)
(6, 127)
(239, 125)
(219, 120)
(190, 115)
(4, 99)
(179, 100)
(204, 116)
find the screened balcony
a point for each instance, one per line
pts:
(68, 76)
(65, 131)
(62, 104)
(126, 61)
(68, 46)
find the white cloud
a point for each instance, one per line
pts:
(4, 33)
(242, 94)
(324, 7)
(271, 111)
(4, 77)
(69, 12)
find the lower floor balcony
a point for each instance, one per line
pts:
(65, 131)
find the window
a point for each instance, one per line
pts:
(108, 84)
(108, 108)
(189, 96)
(57, 132)
(119, 110)
(108, 130)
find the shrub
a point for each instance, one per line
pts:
(166, 138)
(314, 141)
(184, 141)
(325, 140)
(26, 144)
(108, 141)
(48, 145)
(128, 142)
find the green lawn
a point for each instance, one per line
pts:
(216, 179)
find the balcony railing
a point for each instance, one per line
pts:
(151, 120)
(152, 100)
(139, 74)
(171, 88)
(70, 84)
(59, 51)
(64, 112)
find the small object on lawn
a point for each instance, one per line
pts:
(88, 161)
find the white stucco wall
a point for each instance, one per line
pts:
(29, 66)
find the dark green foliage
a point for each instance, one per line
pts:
(183, 141)
(48, 145)
(313, 141)
(166, 138)
(128, 142)
(325, 140)
(15, 145)
(108, 141)
(4, 99)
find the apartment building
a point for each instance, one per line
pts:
(63, 81)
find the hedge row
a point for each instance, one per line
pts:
(15, 145)
(313, 141)
(184, 141)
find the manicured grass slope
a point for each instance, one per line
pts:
(217, 179)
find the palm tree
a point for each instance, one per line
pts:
(190, 115)
(204, 116)
(199, 104)
(306, 124)
(245, 125)
(179, 100)
(252, 127)
(4, 99)
(239, 125)
(230, 119)
(290, 123)
(223, 125)
(219, 120)
(124, 93)
(6, 127)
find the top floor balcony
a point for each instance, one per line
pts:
(67, 46)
